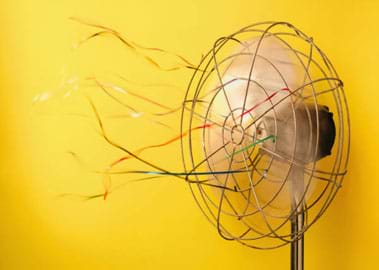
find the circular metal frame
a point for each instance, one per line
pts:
(218, 203)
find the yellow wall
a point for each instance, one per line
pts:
(157, 225)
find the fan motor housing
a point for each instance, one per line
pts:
(298, 136)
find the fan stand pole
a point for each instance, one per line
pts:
(297, 220)
(297, 246)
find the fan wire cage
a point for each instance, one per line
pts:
(263, 97)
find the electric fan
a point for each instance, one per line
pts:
(274, 137)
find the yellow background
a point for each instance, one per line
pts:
(156, 225)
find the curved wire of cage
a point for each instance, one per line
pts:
(258, 223)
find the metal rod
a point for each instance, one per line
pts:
(297, 246)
